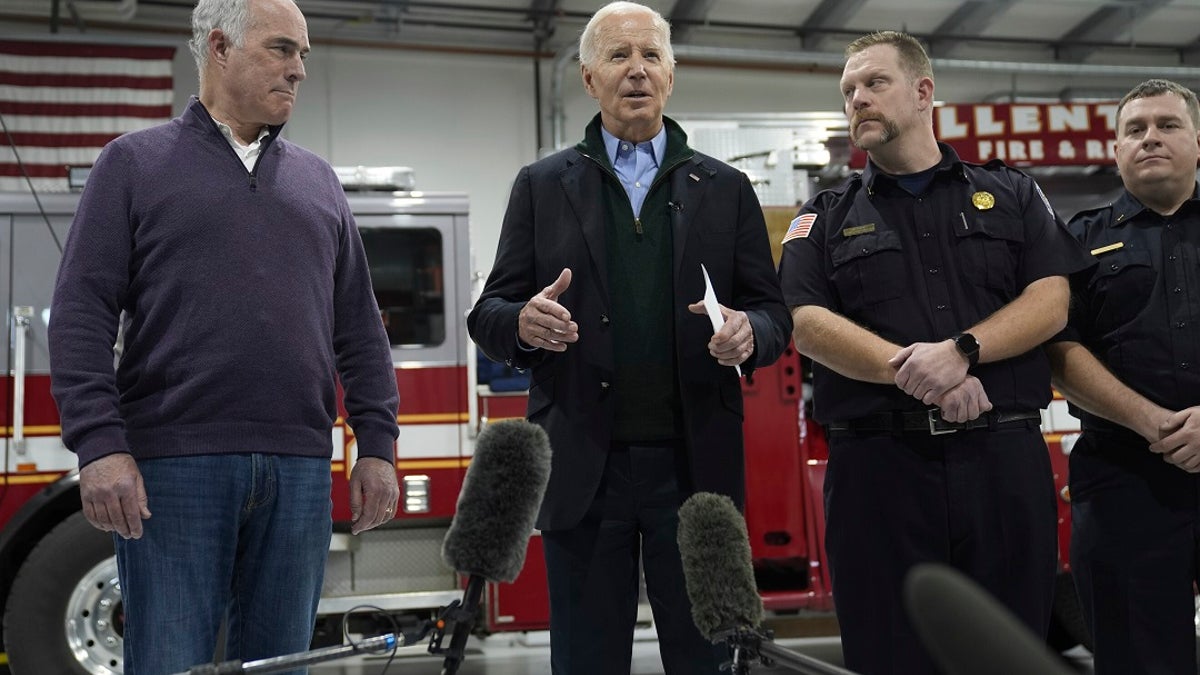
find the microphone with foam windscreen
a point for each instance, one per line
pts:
(967, 631)
(719, 574)
(495, 515)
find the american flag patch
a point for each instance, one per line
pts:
(800, 227)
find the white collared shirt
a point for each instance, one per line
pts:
(248, 153)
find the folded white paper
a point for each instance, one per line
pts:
(713, 307)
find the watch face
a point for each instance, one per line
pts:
(967, 343)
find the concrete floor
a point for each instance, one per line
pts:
(529, 655)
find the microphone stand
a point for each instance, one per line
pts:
(749, 645)
(279, 664)
(460, 613)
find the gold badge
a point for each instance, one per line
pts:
(983, 200)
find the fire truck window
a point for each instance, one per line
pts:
(406, 271)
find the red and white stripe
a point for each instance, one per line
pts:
(61, 102)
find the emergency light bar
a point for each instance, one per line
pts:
(376, 177)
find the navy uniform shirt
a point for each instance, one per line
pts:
(1138, 309)
(925, 268)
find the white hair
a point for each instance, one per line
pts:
(588, 40)
(230, 16)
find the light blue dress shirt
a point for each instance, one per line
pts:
(636, 164)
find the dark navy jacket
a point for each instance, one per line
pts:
(924, 268)
(1138, 309)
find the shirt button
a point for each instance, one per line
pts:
(604, 319)
(1170, 257)
(926, 235)
(604, 385)
(1177, 290)
(933, 270)
(866, 250)
(637, 184)
(625, 146)
(941, 307)
(1183, 366)
(1170, 226)
(1113, 267)
(1180, 324)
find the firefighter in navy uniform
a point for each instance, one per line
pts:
(1129, 364)
(922, 290)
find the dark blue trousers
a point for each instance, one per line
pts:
(1133, 553)
(593, 572)
(981, 501)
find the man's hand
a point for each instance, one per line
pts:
(734, 343)
(373, 493)
(964, 402)
(546, 324)
(927, 370)
(114, 498)
(1180, 440)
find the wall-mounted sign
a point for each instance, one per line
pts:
(1026, 134)
(1029, 134)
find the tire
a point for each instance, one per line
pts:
(1068, 626)
(64, 612)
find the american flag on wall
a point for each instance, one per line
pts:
(61, 102)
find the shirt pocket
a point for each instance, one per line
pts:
(989, 251)
(866, 268)
(1120, 288)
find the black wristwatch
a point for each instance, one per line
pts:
(969, 346)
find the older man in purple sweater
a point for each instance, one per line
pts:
(232, 259)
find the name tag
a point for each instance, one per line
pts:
(1110, 247)
(858, 229)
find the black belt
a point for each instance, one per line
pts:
(930, 422)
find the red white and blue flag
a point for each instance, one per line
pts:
(63, 101)
(800, 227)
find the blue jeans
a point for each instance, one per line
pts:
(240, 535)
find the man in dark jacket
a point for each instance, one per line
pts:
(598, 273)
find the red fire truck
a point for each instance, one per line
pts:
(58, 583)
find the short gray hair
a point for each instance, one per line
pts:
(587, 41)
(231, 16)
(1151, 88)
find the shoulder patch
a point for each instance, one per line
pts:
(800, 228)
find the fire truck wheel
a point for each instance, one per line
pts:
(64, 611)
(1068, 627)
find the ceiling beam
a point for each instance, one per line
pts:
(543, 13)
(830, 14)
(686, 15)
(969, 20)
(1105, 25)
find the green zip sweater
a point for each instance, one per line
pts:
(645, 385)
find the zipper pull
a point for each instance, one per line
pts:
(253, 183)
(637, 226)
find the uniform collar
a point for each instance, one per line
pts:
(1127, 207)
(949, 162)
